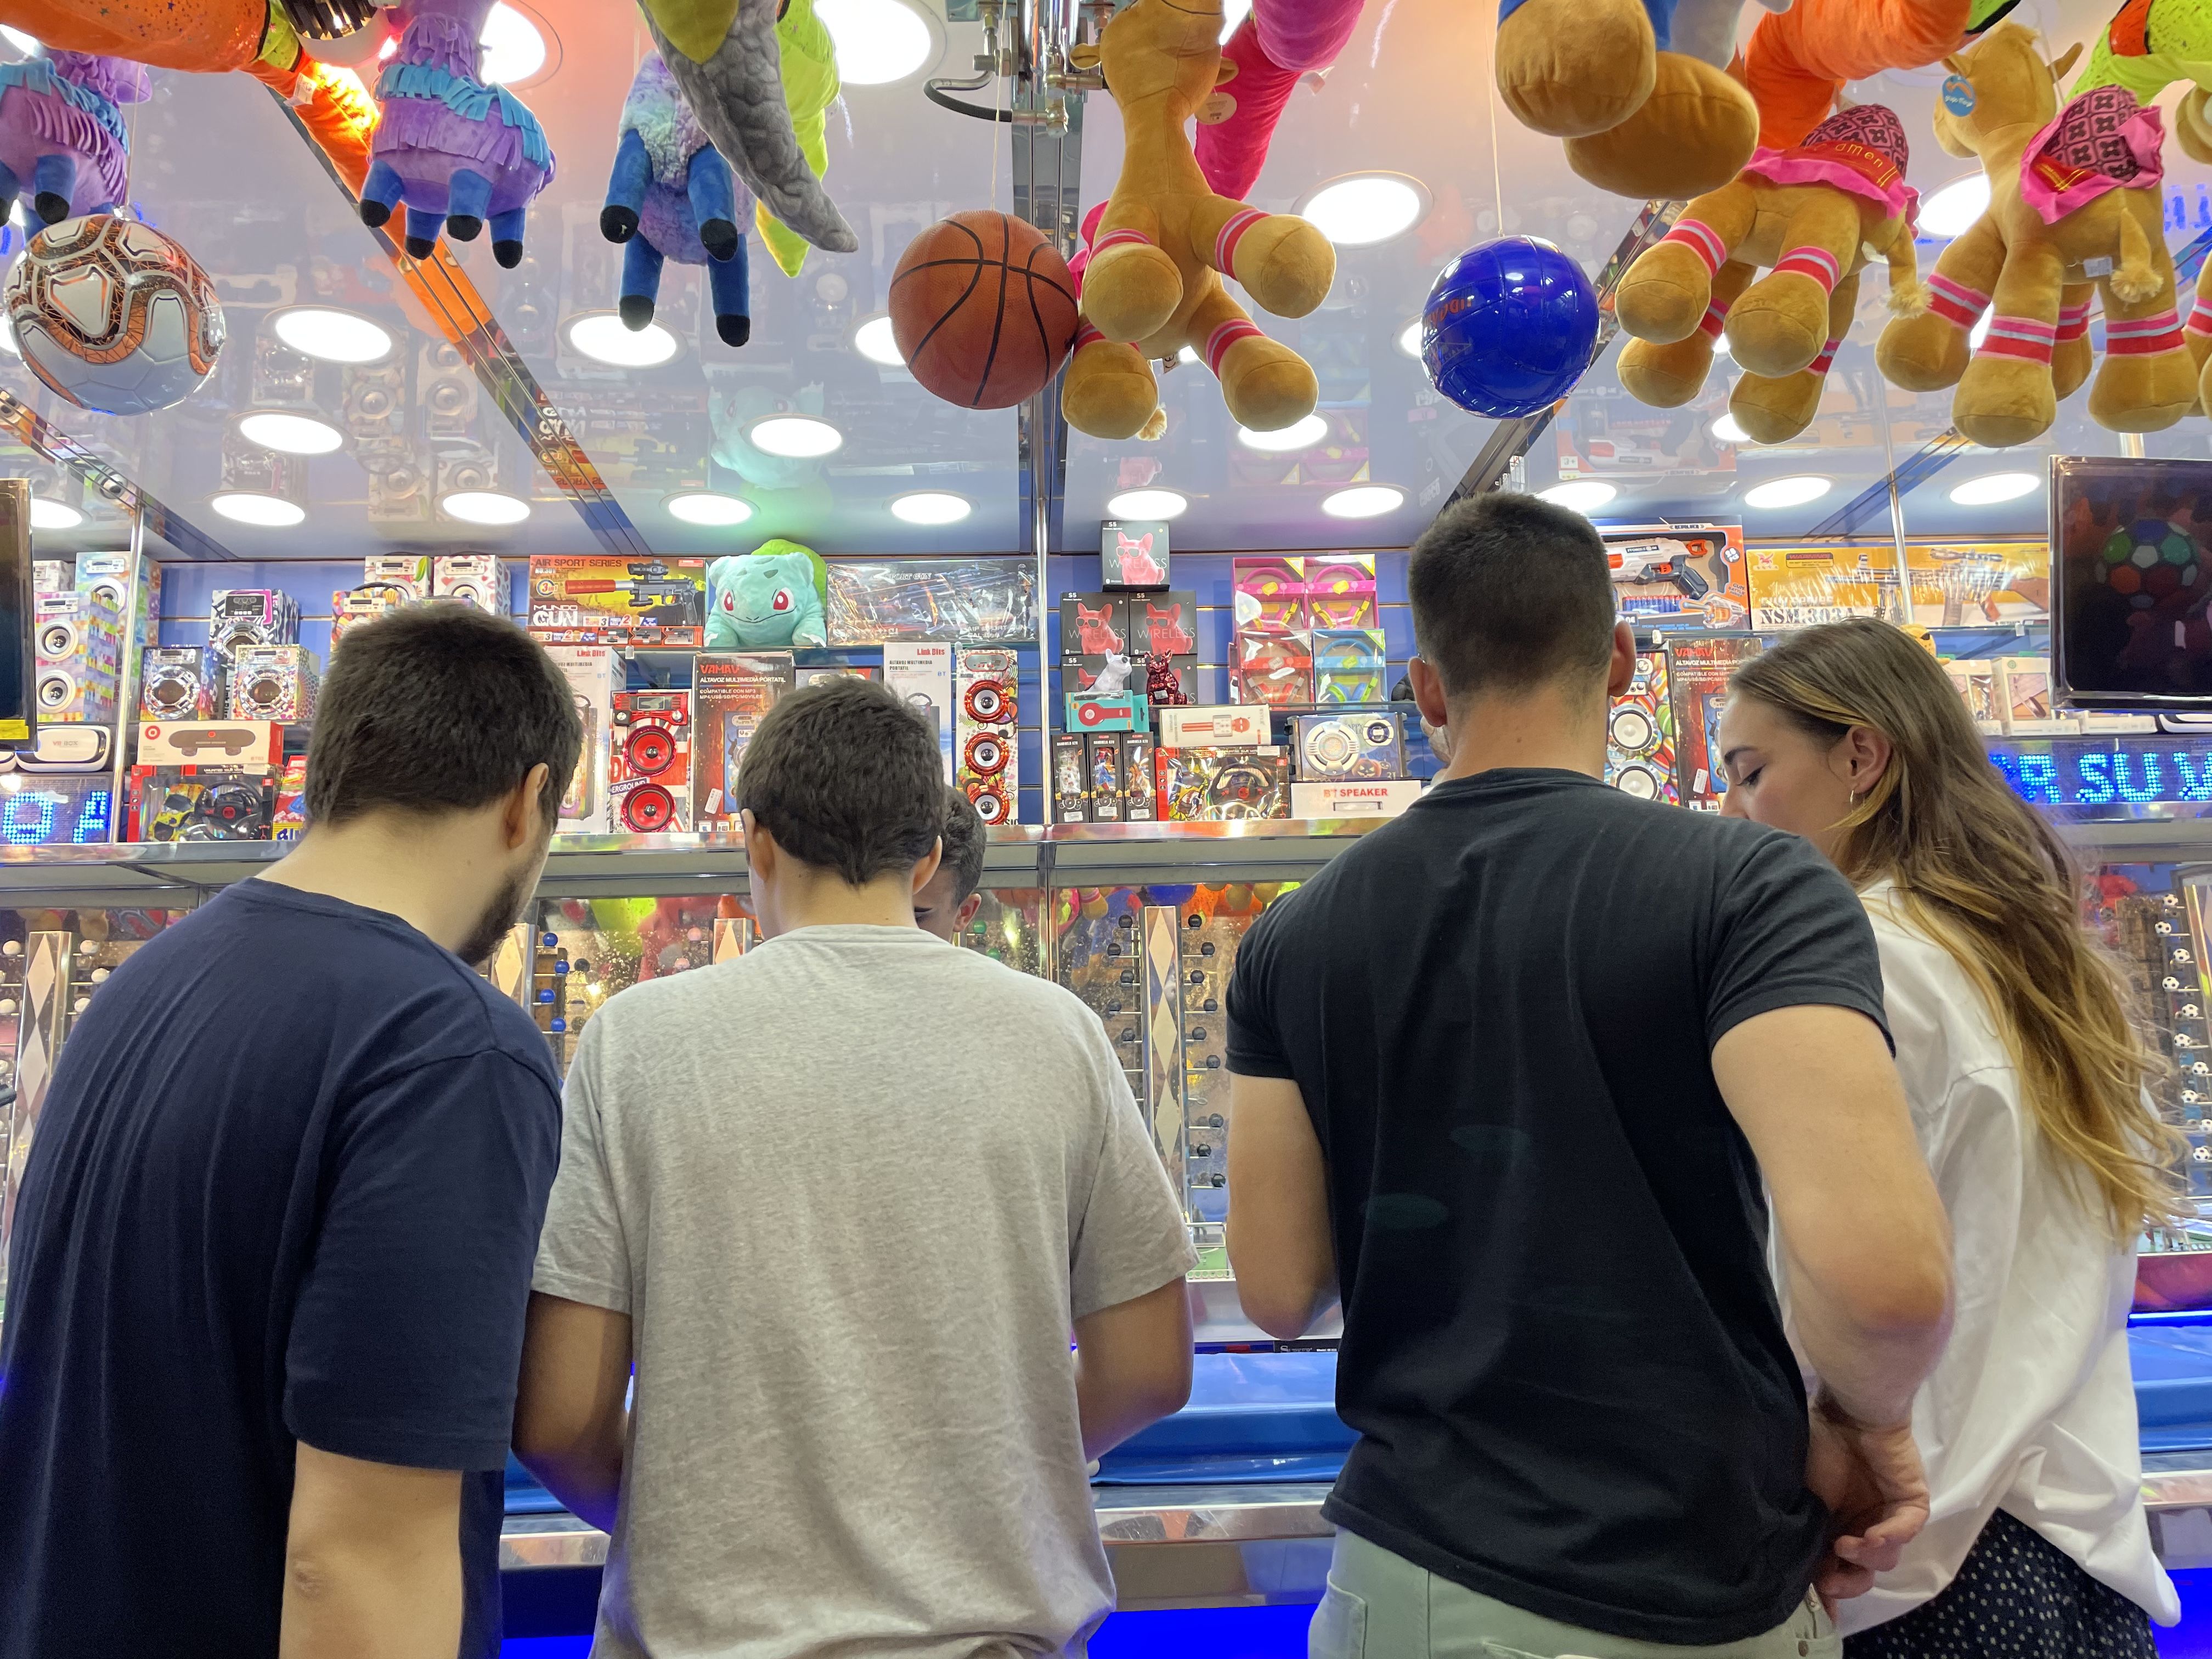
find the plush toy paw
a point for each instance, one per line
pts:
(2145, 393)
(1156, 428)
(2192, 124)
(1665, 293)
(506, 255)
(733, 330)
(1131, 291)
(1109, 391)
(1772, 410)
(464, 227)
(1571, 68)
(1666, 374)
(719, 238)
(421, 247)
(617, 222)
(1266, 386)
(1285, 264)
(1922, 354)
(1693, 135)
(51, 206)
(1779, 325)
(635, 311)
(2003, 401)
(374, 215)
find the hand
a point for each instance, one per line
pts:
(1876, 1493)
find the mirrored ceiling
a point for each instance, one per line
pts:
(218, 164)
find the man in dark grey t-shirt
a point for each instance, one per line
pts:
(1508, 1074)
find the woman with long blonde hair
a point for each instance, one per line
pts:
(2028, 1081)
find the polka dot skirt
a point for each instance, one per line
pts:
(2017, 1597)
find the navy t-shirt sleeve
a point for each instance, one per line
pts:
(407, 1334)
(1788, 932)
(1255, 1044)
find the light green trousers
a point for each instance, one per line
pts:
(1381, 1606)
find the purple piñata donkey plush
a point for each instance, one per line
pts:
(61, 134)
(455, 151)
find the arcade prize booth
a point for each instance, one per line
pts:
(943, 381)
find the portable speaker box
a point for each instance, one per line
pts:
(986, 702)
(240, 617)
(410, 572)
(78, 638)
(593, 673)
(181, 682)
(470, 579)
(649, 770)
(273, 682)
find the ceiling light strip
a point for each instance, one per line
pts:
(106, 480)
(460, 313)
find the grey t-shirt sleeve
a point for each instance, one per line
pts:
(1130, 1238)
(582, 1256)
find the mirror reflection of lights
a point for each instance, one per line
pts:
(1300, 434)
(289, 434)
(877, 41)
(1994, 487)
(1787, 492)
(795, 437)
(513, 50)
(25, 46)
(873, 340)
(930, 506)
(708, 506)
(1364, 502)
(1726, 430)
(1409, 341)
(1147, 503)
(1580, 494)
(53, 515)
(334, 337)
(489, 507)
(1365, 208)
(605, 338)
(1950, 210)
(251, 507)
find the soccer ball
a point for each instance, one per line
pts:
(114, 316)
(2155, 566)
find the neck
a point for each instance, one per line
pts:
(820, 898)
(1549, 729)
(434, 874)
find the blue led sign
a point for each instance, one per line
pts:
(2112, 776)
(55, 812)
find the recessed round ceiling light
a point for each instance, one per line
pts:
(483, 507)
(53, 515)
(1409, 339)
(605, 338)
(796, 437)
(932, 507)
(873, 340)
(1789, 492)
(1233, 12)
(1364, 502)
(288, 433)
(25, 45)
(1994, 487)
(1365, 208)
(1147, 503)
(1299, 434)
(1579, 494)
(1949, 210)
(708, 506)
(252, 507)
(1728, 432)
(877, 41)
(336, 336)
(513, 50)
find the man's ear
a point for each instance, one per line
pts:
(1428, 687)
(523, 819)
(927, 865)
(969, 906)
(1621, 669)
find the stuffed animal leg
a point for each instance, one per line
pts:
(1774, 408)
(2149, 378)
(1266, 384)
(1278, 42)
(1666, 295)
(1109, 391)
(1929, 352)
(62, 137)
(1782, 320)
(725, 59)
(1669, 374)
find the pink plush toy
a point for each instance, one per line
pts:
(1277, 42)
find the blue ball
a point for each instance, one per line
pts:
(1509, 327)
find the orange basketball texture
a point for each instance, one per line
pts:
(983, 309)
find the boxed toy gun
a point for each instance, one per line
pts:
(731, 694)
(251, 616)
(593, 673)
(1093, 625)
(78, 641)
(655, 603)
(1639, 733)
(1203, 785)
(203, 803)
(977, 601)
(470, 579)
(1688, 576)
(987, 690)
(273, 682)
(649, 774)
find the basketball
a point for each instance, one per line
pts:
(983, 309)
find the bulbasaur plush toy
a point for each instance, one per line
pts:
(768, 599)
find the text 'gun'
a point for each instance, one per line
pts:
(1657, 559)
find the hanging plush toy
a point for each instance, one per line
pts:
(1638, 88)
(671, 198)
(1812, 216)
(62, 137)
(2074, 200)
(726, 57)
(1796, 61)
(1278, 42)
(1152, 284)
(810, 86)
(769, 599)
(452, 150)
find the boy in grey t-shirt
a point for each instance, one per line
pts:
(842, 1200)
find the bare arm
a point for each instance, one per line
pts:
(1278, 1240)
(571, 1411)
(372, 1560)
(1131, 1366)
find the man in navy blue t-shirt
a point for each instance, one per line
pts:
(273, 1247)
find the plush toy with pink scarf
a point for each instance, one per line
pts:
(62, 136)
(1278, 42)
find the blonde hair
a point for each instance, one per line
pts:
(1980, 872)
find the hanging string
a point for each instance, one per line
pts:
(1497, 170)
(1000, 89)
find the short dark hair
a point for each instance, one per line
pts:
(964, 837)
(439, 708)
(846, 776)
(1510, 593)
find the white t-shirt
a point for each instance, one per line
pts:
(2032, 1409)
(853, 1188)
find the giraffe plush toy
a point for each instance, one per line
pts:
(2074, 206)
(1152, 284)
(1814, 214)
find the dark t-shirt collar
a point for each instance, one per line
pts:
(1507, 780)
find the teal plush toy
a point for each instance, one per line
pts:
(769, 599)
